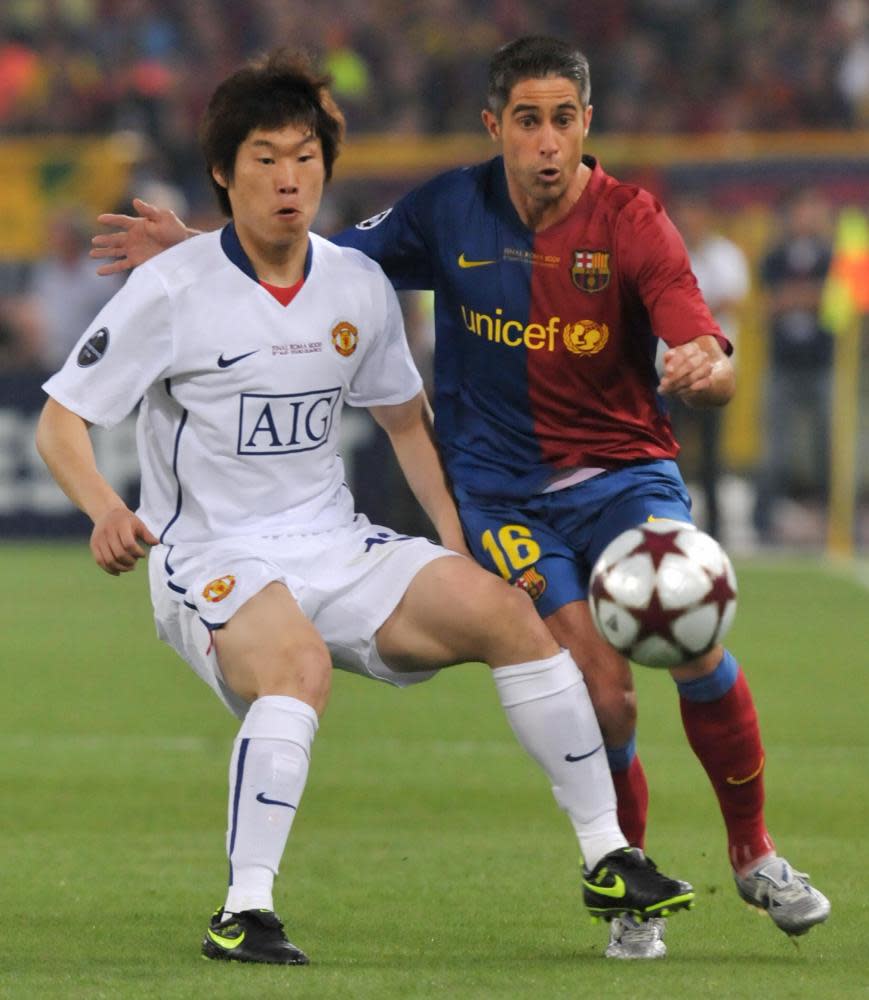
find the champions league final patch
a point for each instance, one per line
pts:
(215, 591)
(590, 270)
(94, 349)
(345, 337)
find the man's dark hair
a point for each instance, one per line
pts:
(534, 57)
(275, 90)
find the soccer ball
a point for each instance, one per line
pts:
(663, 593)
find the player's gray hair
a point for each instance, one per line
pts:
(534, 57)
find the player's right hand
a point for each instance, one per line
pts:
(138, 237)
(117, 539)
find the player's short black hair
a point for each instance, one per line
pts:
(277, 89)
(534, 57)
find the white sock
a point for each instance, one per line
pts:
(267, 776)
(549, 710)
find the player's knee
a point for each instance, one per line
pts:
(279, 665)
(616, 714)
(515, 633)
(301, 669)
(615, 703)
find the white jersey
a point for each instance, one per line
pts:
(241, 396)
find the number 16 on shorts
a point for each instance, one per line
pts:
(512, 550)
(535, 556)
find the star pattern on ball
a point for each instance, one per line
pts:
(662, 611)
(656, 545)
(721, 593)
(599, 588)
(656, 620)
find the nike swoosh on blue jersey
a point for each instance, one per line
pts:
(262, 797)
(569, 757)
(223, 362)
(463, 262)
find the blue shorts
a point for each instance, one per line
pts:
(548, 544)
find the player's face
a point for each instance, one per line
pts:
(277, 185)
(541, 130)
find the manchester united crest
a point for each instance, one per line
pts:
(532, 582)
(345, 337)
(215, 591)
(585, 337)
(590, 270)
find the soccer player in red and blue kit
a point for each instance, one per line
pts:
(554, 284)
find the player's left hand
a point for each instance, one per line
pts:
(688, 372)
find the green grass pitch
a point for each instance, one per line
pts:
(428, 858)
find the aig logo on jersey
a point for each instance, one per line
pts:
(278, 425)
(345, 337)
(590, 270)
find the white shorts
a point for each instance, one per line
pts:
(347, 581)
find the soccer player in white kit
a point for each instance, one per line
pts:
(242, 347)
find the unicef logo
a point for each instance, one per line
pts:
(585, 337)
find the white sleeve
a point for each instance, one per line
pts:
(387, 374)
(125, 350)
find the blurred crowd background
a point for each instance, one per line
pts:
(414, 67)
(749, 118)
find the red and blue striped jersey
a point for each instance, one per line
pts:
(545, 342)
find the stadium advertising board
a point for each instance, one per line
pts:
(31, 505)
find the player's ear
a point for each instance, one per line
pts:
(586, 119)
(491, 124)
(217, 174)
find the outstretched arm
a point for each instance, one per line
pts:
(699, 373)
(410, 430)
(138, 238)
(64, 443)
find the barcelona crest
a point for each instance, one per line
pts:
(590, 270)
(532, 582)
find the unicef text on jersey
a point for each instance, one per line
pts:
(583, 336)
